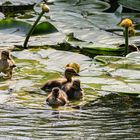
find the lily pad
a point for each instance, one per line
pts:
(130, 4)
(23, 27)
(135, 55)
(44, 28)
(17, 2)
(119, 72)
(16, 30)
(95, 49)
(81, 13)
(52, 59)
(14, 26)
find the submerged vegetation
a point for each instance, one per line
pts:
(45, 8)
(128, 25)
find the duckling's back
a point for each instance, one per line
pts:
(51, 84)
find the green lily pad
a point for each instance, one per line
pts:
(44, 28)
(14, 26)
(135, 5)
(23, 27)
(96, 49)
(16, 30)
(107, 59)
(88, 13)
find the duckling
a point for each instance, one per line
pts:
(6, 64)
(69, 73)
(57, 98)
(73, 90)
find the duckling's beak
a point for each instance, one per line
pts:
(13, 66)
(76, 74)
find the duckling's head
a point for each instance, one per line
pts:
(5, 54)
(55, 92)
(70, 72)
(77, 84)
(75, 66)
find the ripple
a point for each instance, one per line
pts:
(102, 119)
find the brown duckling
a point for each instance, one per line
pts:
(6, 64)
(57, 98)
(69, 73)
(73, 90)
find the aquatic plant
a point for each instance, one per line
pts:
(46, 9)
(128, 26)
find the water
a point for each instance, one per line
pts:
(100, 115)
(109, 117)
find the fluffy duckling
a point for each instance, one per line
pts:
(57, 98)
(73, 90)
(69, 73)
(6, 64)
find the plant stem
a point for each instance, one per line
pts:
(32, 29)
(126, 41)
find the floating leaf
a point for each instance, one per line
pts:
(44, 28)
(17, 2)
(96, 49)
(135, 55)
(106, 59)
(14, 26)
(14, 31)
(135, 5)
(23, 27)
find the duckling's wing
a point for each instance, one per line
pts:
(78, 95)
(51, 84)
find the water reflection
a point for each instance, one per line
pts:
(110, 117)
